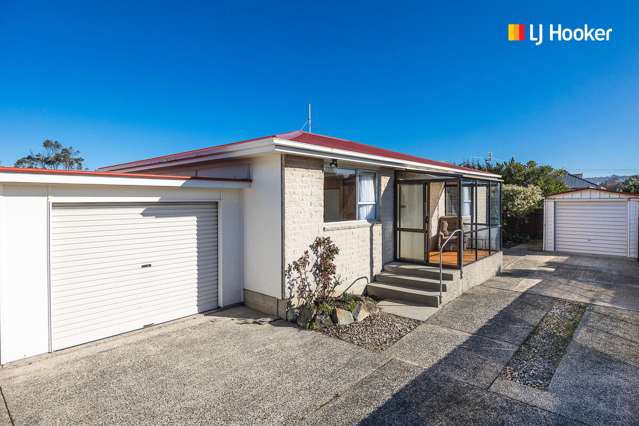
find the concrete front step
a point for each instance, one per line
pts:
(423, 271)
(411, 281)
(392, 291)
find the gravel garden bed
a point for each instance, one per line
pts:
(377, 332)
(538, 357)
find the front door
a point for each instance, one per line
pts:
(412, 221)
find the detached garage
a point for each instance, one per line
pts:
(592, 221)
(87, 255)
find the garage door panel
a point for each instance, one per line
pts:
(120, 308)
(82, 257)
(108, 285)
(572, 230)
(596, 227)
(108, 248)
(120, 269)
(112, 329)
(99, 287)
(143, 231)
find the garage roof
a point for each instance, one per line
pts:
(592, 193)
(29, 175)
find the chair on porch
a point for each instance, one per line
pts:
(445, 227)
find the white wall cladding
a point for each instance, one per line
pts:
(592, 221)
(549, 225)
(633, 231)
(120, 267)
(25, 214)
(24, 302)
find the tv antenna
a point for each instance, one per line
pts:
(489, 157)
(309, 121)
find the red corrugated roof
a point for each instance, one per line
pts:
(111, 174)
(296, 136)
(343, 144)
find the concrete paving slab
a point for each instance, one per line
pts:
(609, 336)
(625, 316)
(425, 399)
(595, 382)
(503, 315)
(407, 309)
(595, 388)
(5, 418)
(217, 369)
(357, 402)
(466, 357)
(604, 281)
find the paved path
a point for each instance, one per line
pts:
(229, 368)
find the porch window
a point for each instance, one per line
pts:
(349, 194)
(451, 197)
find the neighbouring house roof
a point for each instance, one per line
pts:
(31, 175)
(577, 182)
(608, 194)
(302, 143)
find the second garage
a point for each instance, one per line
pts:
(593, 222)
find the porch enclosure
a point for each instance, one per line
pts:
(430, 207)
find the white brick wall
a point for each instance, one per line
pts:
(364, 247)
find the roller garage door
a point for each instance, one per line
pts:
(120, 267)
(596, 227)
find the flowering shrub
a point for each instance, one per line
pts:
(313, 281)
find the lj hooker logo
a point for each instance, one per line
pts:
(553, 33)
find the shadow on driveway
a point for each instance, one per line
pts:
(447, 370)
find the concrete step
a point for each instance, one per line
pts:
(423, 271)
(390, 291)
(412, 281)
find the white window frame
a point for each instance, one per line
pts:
(359, 203)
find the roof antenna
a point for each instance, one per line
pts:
(309, 121)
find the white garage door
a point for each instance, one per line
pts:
(597, 227)
(120, 267)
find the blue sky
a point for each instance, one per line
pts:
(126, 80)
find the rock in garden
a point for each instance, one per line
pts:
(360, 312)
(305, 315)
(291, 315)
(342, 316)
(323, 320)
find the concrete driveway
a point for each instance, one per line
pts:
(230, 368)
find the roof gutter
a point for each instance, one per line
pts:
(66, 179)
(299, 148)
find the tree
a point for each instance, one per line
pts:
(546, 178)
(54, 156)
(630, 185)
(519, 202)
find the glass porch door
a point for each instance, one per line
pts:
(412, 221)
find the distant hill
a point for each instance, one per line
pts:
(609, 179)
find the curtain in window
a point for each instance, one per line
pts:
(366, 196)
(467, 200)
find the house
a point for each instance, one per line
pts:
(577, 181)
(592, 221)
(86, 255)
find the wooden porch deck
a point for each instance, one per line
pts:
(449, 258)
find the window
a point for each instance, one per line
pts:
(349, 194)
(452, 197)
